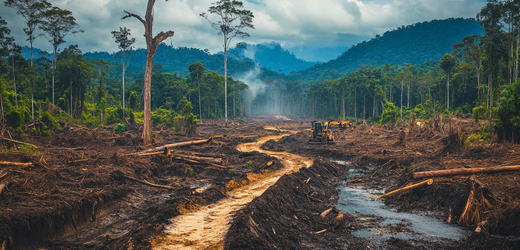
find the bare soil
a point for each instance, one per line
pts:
(76, 199)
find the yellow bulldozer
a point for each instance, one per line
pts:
(321, 131)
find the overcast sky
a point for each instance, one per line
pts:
(291, 23)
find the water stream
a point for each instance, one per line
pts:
(360, 201)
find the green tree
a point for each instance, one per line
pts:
(56, 25)
(233, 20)
(151, 46)
(196, 71)
(447, 62)
(471, 50)
(31, 11)
(125, 46)
(74, 76)
(490, 19)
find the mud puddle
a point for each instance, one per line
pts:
(207, 226)
(405, 226)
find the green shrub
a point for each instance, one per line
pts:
(63, 104)
(249, 164)
(45, 132)
(190, 171)
(14, 119)
(47, 119)
(119, 127)
(28, 149)
(391, 114)
(177, 124)
(231, 172)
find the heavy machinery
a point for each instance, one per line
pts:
(321, 131)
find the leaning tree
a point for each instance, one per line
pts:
(151, 46)
(234, 19)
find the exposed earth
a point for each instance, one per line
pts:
(256, 183)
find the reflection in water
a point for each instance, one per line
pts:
(361, 201)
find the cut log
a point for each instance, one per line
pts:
(3, 185)
(197, 162)
(203, 159)
(458, 171)
(19, 142)
(144, 182)
(19, 164)
(2, 174)
(322, 231)
(420, 184)
(180, 152)
(325, 212)
(179, 144)
(64, 148)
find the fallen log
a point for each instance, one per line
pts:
(197, 162)
(19, 164)
(196, 154)
(19, 142)
(325, 212)
(179, 144)
(207, 159)
(121, 175)
(2, 174)
(458, 171)
(420, 184)
(3, 186)
(81, 148)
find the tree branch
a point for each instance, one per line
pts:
(133, 15)
(161, 37)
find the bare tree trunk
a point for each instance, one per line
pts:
(408, 102)
(225, 76)
(343, 101)
(402, 85)
(32, 93)
(123, 61)
(447, 90)
(53, 69)
(355, 103)
(14, 81)
(151, 46)
(364, 105)
(70, 91)
(374, 106)
(517, 48)
(200, 104)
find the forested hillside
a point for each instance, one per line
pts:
(178, 59)
(415, 44)
(274, 57)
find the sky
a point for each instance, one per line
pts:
(295, 24)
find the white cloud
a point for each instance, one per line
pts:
(288, 22)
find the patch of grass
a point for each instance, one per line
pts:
(190, 171)
(231, 172)
(249, 164)
(228, 134)
(358, 160)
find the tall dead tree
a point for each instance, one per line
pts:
(151, 46)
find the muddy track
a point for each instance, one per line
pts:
(206, 227)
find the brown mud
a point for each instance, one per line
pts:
(76, 198)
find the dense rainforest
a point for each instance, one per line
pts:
(441, 66)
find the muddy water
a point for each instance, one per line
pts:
(361, 201)
(206, 227)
